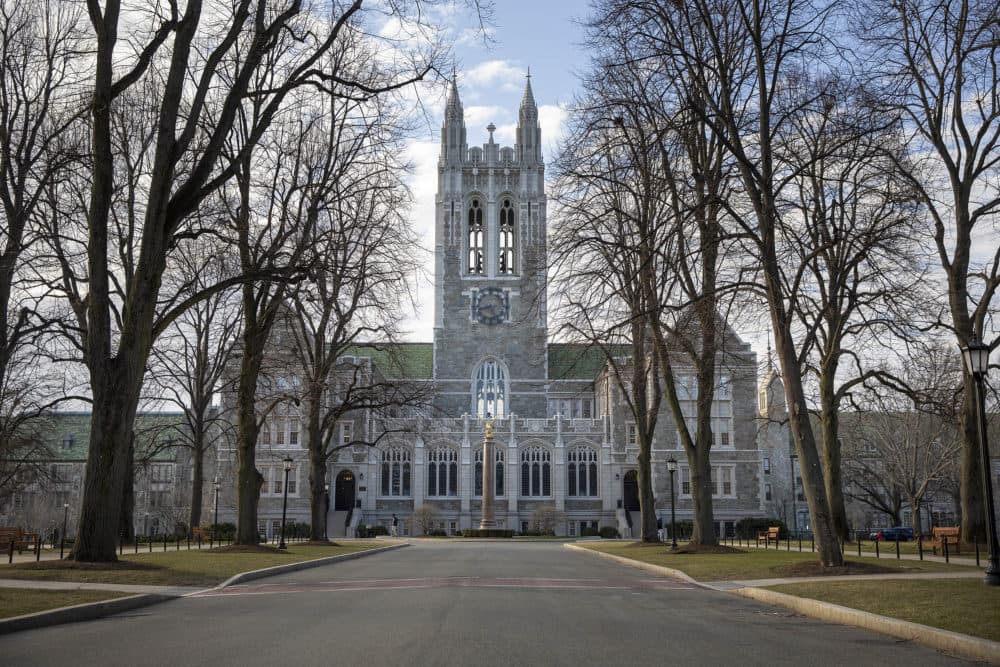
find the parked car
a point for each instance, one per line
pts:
(895, 534)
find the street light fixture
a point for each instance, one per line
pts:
(284, 503)
(62, 542)
(672, 467)
(977, 361)
(215, 526)
(326, 511)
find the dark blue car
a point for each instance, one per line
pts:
(896, 534)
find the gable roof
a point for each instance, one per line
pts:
(409, 361)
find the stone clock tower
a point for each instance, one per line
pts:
(490, 269)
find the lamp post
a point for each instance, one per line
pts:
(672, 467)
(62, 542)
(215, 525)
(977, 361)
(326, 512)
(284, 503)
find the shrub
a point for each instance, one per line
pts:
(589, 531)
(437, 532)
(487, 532)
(609, 532)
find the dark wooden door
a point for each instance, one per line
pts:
(344, 491)
(631, 491)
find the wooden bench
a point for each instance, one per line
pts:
(769, 535)
(22, 540)
(942, 535)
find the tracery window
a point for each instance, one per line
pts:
(442, 472)
(582, 472)
(506, 237)
(498, 476)
(536, 472)
(477, 237)
(396, 470)
(490, 390)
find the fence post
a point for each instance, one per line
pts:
(859, 546)
(877, 556)
(38, 548)
(62, 547)
(137, 544)
(944, 542)
(150, 544)
(920, 546)
(10, 557)
(976, 541)
(897, 547)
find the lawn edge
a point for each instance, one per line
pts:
(956, 643)
(94, 610)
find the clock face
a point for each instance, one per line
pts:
(491, 305)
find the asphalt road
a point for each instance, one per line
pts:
(462, 603)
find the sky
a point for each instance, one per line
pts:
(543, 36)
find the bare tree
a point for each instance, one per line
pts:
(935, 65)
(38, 75)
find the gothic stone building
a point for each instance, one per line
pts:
(564, 439)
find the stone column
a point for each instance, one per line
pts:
(489, 479)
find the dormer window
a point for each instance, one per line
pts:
(477, 236)
(506, 237)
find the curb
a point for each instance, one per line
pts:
(81, 612)
(953, 642)
(956, 643)
(94, 610)
(302, 565)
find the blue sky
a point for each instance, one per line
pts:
(541, 35)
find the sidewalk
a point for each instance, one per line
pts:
(173, 591)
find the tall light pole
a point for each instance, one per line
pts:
(284, 503)
(62, 542)
(326, 512)
(977, 361)
(672, 467)
(215, 525)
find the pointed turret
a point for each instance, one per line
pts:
(453, 146)
(529, 135)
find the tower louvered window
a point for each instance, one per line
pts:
(490, 390)
(506, 237)
(477, 239)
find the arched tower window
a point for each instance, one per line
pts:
(536, 472)
(506, 237)
(498, 477)
(477, 239)
(396, 469)
(489, 390)
(581, 472)
(442, 472)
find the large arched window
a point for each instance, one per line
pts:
(506, 237)
(442, 472)
(498, 476)
(477, 239)
(536, 472)
(396, 471)
(489, 390)
(582, 472)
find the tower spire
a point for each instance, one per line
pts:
(529, 112)
(453, 107)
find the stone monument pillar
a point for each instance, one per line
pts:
(489, 483)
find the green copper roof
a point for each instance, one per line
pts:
(67, 435)
(412, 361)
(578, 361)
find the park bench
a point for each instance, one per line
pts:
(942, 535)
(769, 535)
(22, 540)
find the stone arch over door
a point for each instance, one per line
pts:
(344, 491)
(630, 491)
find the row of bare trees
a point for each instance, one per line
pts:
(731, 153)
(176, 178)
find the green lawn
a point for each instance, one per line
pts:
(753, 564)
(19, 601)
(962, 605)
(178, 568)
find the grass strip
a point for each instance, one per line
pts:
(967, 606)
(20, 601)
(753, 563)
(177, 568)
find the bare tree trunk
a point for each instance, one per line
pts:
(831, 452)
(317, 463)
(248, 478)
(198, 473)
(971, 485)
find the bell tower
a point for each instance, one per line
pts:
(490, 269)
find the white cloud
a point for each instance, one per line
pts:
(552, 119)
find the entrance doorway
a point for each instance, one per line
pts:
(343, 498)
(631, 491)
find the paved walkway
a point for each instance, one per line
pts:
(176, 591)
(759, 583)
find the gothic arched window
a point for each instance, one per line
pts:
(442, 472)
(489, 390)
(498, 451)
(581, 472)
(506, 237)
(536, 472)
(396, 471)
(477, 239)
